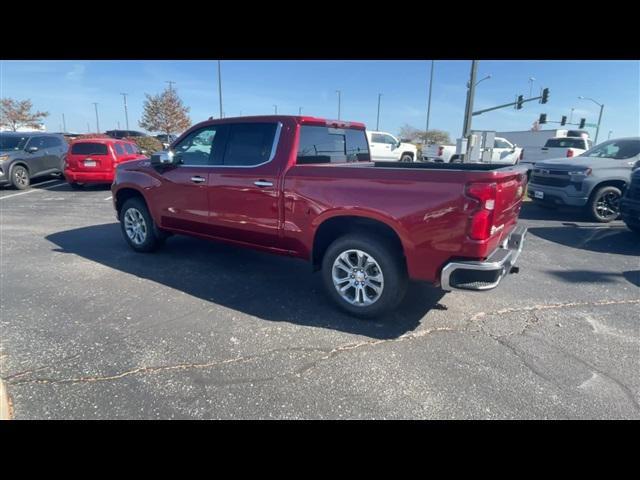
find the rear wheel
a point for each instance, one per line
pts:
(364, 276)
(138, 228)
(20, 178)
(604, 205)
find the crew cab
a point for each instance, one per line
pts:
(306, 187)
(386, 147)
(558, 147)
(93, 160)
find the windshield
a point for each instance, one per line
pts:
(565, 143)
(616, 149)
(12, 142)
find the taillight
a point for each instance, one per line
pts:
(484, 196)
(440, 151)
(569, 152)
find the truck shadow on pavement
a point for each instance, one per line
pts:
(267, 286)
(593, 276)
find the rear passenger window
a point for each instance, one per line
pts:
(50, 142)
(249, 144)
(332, 145)
(88, 148)
(129, 148)
(119, 149)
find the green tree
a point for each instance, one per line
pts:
(165, 113)
(17, 113)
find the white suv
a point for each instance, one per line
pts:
(386, 147)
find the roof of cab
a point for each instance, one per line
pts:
(307, 120)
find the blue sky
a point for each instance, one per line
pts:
(253, 87)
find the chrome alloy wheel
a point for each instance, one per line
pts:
(135, 226)
(21, 176)
(357, 277)
(608, 205)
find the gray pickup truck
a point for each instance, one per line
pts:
(595, 180)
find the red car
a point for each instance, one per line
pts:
(94, 160)
(305, 187)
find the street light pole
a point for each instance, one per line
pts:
(64, 124)
(126, 113)
(299, 110)
(97, 118)
(276, 107)
(378, 117)
(339, 98)
(429, 101)
(531, 80)
(220, 87)
(595, 141)
(471, 90)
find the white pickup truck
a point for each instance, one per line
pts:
(386, 147)
(503, 152)
(558, 147)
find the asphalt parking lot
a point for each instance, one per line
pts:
(90, 329)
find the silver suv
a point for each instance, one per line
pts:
(595, 180)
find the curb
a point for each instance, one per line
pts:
(5, 403)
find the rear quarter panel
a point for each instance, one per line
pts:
(426, 208)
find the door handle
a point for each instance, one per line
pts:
(198, 179)
(262, 183)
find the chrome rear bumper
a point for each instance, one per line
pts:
(485, 275)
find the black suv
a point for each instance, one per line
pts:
(630, 203)
(120, 134)
(28, 155)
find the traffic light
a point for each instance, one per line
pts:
(545, 96)
(582, 122)
(543, 118)
(564, 120)
(519, 103)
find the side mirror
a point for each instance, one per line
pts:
(32, 149)
(166, 157)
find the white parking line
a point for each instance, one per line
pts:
(33, 189)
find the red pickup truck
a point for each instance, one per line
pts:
(306, 187)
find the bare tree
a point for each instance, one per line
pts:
(165, 113)
(17, 113)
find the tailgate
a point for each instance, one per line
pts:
(510, 192)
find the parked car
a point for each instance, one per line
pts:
(595, 180)
(93, 160)
(119, 134)
(305, 187)
(502, 152)
(440, 153)
(386, 147)
(166, 139)
(630, 203)
(25, 156)
(558, 147)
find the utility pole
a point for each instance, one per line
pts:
(471, 90)
(299, 110)
(170, 84)
(429, 101)
(118, 124)
(64, 124)
(220, 87)
(88, 128)
(531, 80)
(571, 115)
(339, 98)
(610, 132)
(378, 118)
(97, 118)
(276, 108)
(126, 114)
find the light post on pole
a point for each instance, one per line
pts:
(126, 113)
(595, 141)
(378, 117)
(531, 80)
(429, 101)
(97, 118)
(220, 87)
(64, 124)
(339, 98)
(571, 115)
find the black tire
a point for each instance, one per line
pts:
(454, 159)
(406, 158)
(607, 197)
(20, 177)
(152, 238)
(76, 186)
(391, 265)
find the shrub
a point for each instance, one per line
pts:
(147, 145)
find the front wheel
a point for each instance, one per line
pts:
(406, 158)
(138, 227)
(364, 276)
(20, 177)
(604, 206)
